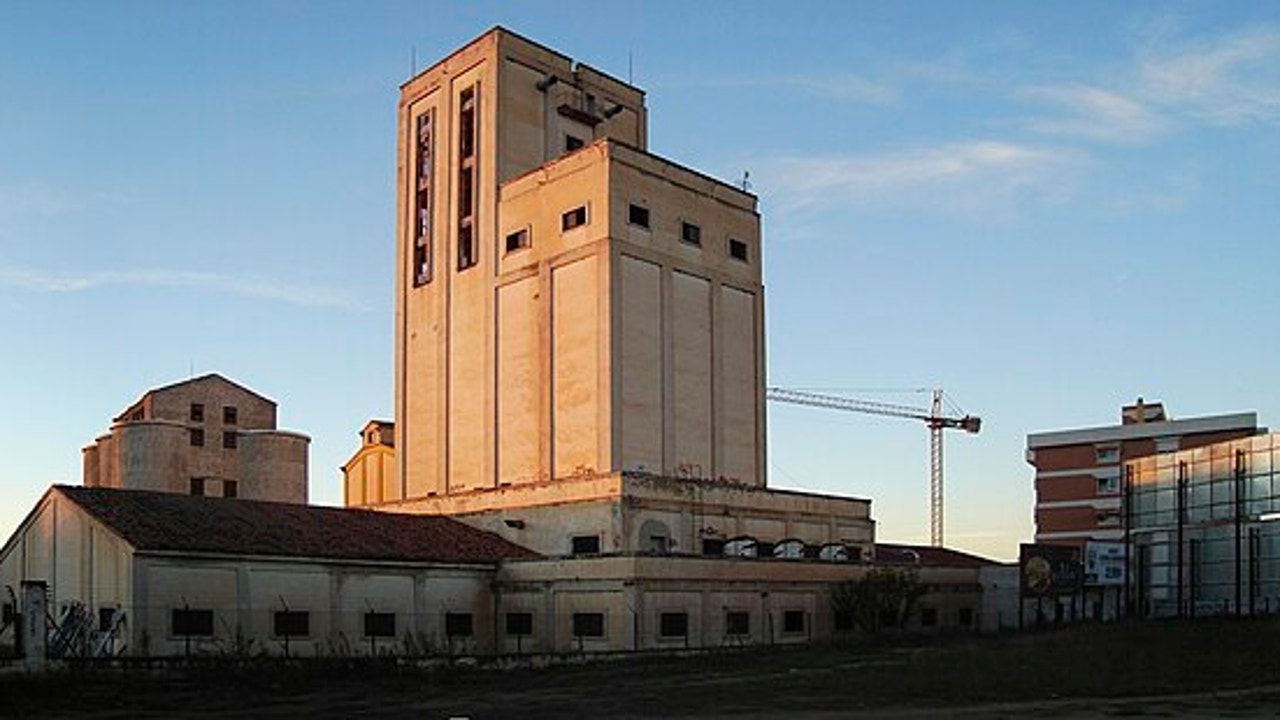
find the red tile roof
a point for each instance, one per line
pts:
(926, 555)
(182, 523)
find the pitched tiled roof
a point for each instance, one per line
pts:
(927, 555)
(170, 522)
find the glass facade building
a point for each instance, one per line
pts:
(1203, 530)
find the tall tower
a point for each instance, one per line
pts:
(567, 304)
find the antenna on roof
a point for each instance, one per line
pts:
(629, 69)
(746, 181)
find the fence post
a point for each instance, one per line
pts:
(35, 631)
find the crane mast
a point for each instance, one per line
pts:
(933, 417)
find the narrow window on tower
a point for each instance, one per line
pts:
(518, 240)
(467, 137)
(423, 166)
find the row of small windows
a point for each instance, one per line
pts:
(229, 413)
(690, 233)
(230, 439)
(230, 488)
(746, 547)
(188, 622)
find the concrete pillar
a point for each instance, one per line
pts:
(35, 636)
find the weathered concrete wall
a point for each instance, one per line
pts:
(79, 560)
(244, 595)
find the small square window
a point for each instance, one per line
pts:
(229, 440)
(965, 617)
(518, 240)
(691, 233)
(230, 488)
(572, 143)
(197, 437)
(457, 624)
(737, 249)
(793, 622)
(184, 622)
(673, 624)
(712, 546)
(197, 487)
(638, 216)
(292, 623)
(197, 412)
(229, 415)
(588, 625)
(1107, 454)
(928, 617)
(737, 622)
(379, 624)
(519, 623)
(576, 217)
(586, 545)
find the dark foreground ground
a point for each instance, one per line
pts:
(1210, 669)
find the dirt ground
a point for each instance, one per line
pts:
(1210, 669)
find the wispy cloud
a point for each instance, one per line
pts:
(1230, 80)
(256, 288)
(976, 176)
(1096, 114)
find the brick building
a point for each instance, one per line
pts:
(1079, 473)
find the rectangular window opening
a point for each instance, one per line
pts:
(588, 625)
(197, 412)
(586, 544)
(185, 622)
(379, 624)
(518, 240)
(576, 217)
(229, 415)
(793, 622)
(468, 183)
(197, 487)
(638, 216)
(230, 488)
(737, 622)
(291, 623)
(423, 200)
(457, 624)
(737, 249)
(520, 623)
(229, 440)
(965, 617)
(690, 233)
(197, 437)
(673, 624)
(712, 546)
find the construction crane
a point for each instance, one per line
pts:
(932, 417)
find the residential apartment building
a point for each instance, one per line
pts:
(1079, 473)
(203, 436)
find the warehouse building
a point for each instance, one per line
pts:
(577, 459)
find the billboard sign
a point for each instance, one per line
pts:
(1104, 564)
(1050, 570)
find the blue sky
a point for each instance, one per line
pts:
(1048, 210)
